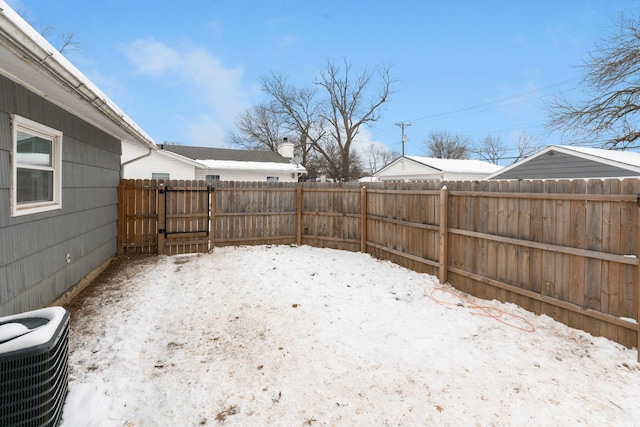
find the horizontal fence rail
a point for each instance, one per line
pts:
(567, 249)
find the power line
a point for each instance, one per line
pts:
(499, 102)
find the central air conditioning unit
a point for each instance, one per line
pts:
(34, 356)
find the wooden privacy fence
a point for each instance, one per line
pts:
(568, 249)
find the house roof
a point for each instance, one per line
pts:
(255, 166)
(30, 60)
(628, 160)
(223, 158)
(448, 165)
(180, 158)
(456, 165)
(210, 153)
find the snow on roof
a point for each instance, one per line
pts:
(181, 158)
(257, 166)
(630, 158)
(621, 159)
(456, 165)
(369, 179)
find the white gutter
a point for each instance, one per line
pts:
(151, 150)
(31, 47)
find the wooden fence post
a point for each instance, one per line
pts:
(363, 220)
(161, 217)
(299, 216)
(212, 218)
(638, 276)
(121, 216)
(444, 235)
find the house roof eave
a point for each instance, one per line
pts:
(29, 59)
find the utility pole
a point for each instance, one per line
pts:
(404, 137)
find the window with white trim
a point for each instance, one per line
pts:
(273, 178)
(212, 178)
(36, 167)
(160, 175)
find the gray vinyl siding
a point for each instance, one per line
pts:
(33, 248)
(561, 166)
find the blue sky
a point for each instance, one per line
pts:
(184, 70)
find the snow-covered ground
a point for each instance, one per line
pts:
(294, 336)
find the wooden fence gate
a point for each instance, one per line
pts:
(166, 217)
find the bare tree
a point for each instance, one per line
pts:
(353, 100)
(611, 81)
(258, 128)
(377, 157)
(525, 146)
(299, 111)
(325, 119)
(64, 41)
(445, 145)
(490, 149)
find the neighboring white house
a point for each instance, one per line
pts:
(568, 161)
(140, 163)
(418, 168)
(211, 164)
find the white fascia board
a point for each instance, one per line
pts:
(400, 160)
(418, 160)
(387, 166)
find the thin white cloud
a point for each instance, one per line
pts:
(364, 139)
(286, 40)
(206, 131)
(152, 57)
(524, 43)
(218, 86)
(216, 90)
(369, 151)
(216, 28)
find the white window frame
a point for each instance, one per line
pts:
(45, 132)
(273, 178)
(212, 178)
(165, 175)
